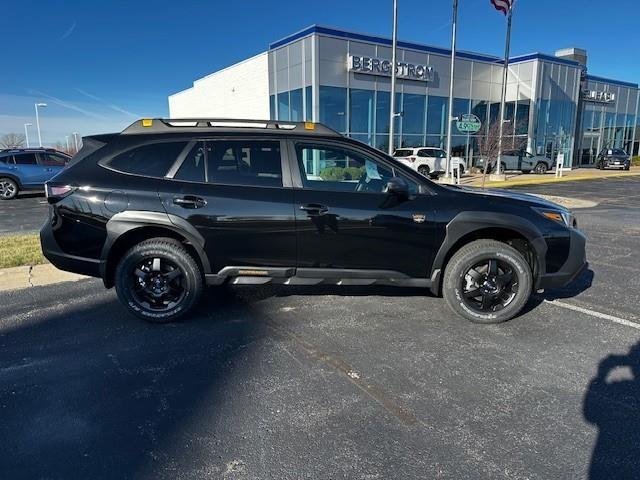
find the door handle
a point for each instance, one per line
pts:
(314, 209)
(189, 201)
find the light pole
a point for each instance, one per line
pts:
(38, 121)
(392, 100)
(75, 140)
(447, 169)
(66, 137)
(26, 132)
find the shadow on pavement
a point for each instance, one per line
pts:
(95, 393)
(579, 285)
(612, 403)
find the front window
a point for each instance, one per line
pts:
(338, 169)
(52, 160)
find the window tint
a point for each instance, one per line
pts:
(25, 159)
(244, 162)
(403, 153)
(52, 160)
(153, 160)
(192, 168)
(7, 159)
(334, 168)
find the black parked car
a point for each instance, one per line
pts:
(614, 158)
(169, 206)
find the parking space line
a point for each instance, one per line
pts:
(593, 313)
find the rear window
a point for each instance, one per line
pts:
(153, 160)
(25, 159)
(251, 163)
(403, 153)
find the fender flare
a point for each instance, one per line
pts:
(468, 222)
(127, 221)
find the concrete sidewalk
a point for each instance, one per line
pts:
(33, 276)
(517, 178)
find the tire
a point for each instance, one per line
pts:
(152, 291)
(461, 168)
(424, 170)
(627, 166)
(458, 280)
(8, 188)
(541, 168)
(599, 166)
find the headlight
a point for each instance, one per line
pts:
(560, 216)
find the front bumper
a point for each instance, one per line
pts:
(575, 264)
(65, 261)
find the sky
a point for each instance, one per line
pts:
(101, 65)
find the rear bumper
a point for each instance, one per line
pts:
(575, 264)
(65, 261)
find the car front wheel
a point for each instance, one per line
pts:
(158, 280)
(8, 189)
(487, 281)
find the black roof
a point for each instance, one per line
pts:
(199, 125)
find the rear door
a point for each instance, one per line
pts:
(237, 194)
(345, 219)
(51, 164)
(31, 174)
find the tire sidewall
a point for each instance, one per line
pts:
(424, 170)
(191, 274)
(464, 259)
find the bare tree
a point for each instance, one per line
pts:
(488, 145)
(12, 140)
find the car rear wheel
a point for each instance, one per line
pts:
(8, 188)
(541, 168)
(487, 281)
(424, 170)
(158, 280)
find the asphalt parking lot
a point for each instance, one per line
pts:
(25, 214)
(370, 384)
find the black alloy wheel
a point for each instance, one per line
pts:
(424, 170)
(489, 286)
(158, 284)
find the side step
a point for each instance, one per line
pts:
(313, 276)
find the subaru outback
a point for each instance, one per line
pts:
(167, 207)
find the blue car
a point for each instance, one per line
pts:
(28, 169)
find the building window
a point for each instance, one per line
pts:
(383, 100)
(361, 111)
(295, 105)
(283, 106)
(522, 117)
(272, 107)
(413, 106)
(436, 115)
(333, 107)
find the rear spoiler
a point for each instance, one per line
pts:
(91, 144)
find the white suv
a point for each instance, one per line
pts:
(428, 161)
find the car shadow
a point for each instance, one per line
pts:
(612, 404)
(580, 284)
(89, 392)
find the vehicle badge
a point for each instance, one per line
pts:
(419, 217)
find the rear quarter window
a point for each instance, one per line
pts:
(151, 160)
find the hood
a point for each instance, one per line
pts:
(505, 195)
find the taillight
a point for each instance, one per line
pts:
(58, 192)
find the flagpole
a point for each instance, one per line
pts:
(392, 102)
(505, 77)
(451, 73)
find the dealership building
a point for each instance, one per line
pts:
(342, 79)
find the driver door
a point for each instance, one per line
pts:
(345, 220)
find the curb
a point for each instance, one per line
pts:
(26, 276)
(536, 181)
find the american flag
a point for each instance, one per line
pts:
(503, 5)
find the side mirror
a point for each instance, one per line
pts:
(398, 187)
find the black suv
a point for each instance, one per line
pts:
(169, 206)
(614, 158)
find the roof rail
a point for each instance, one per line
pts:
(165, 125)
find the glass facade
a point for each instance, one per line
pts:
(544, 113)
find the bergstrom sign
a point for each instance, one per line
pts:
(378, 66)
